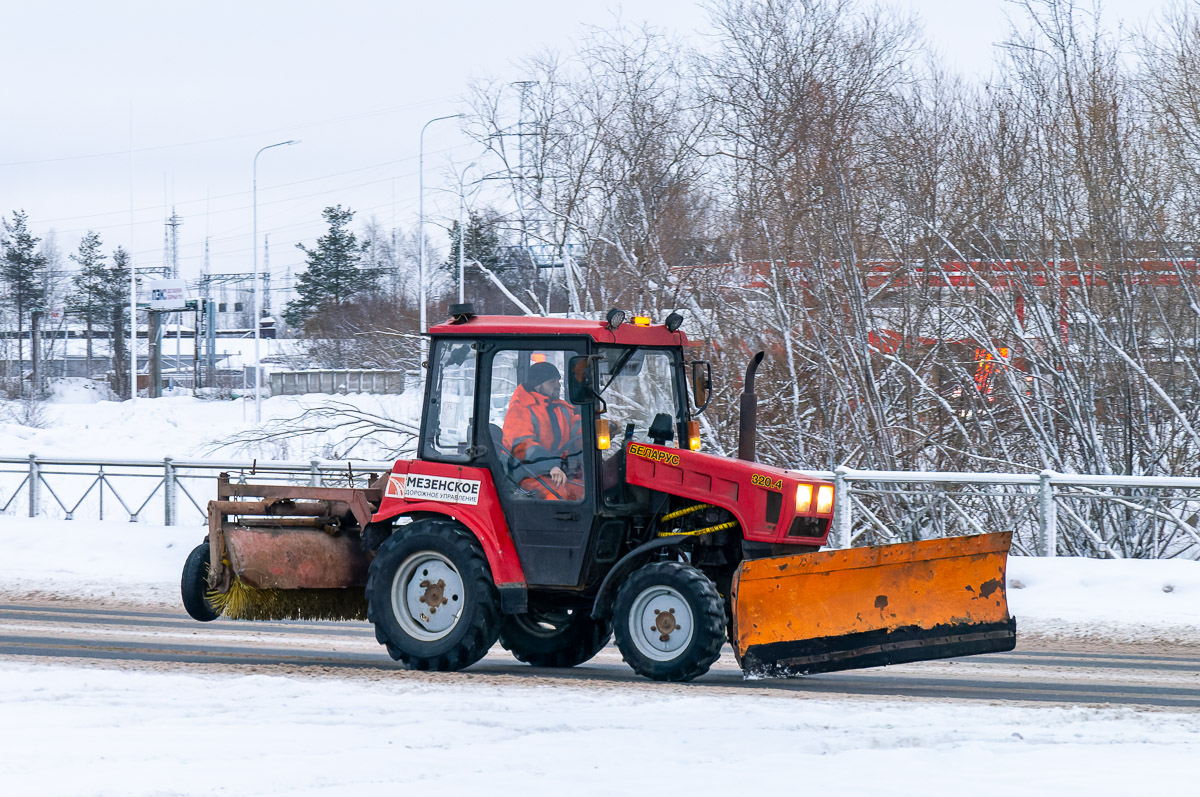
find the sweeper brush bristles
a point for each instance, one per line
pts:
(244, 602)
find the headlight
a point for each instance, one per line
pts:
(803, 498)
(824, 499)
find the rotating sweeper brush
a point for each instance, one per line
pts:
(279, 552)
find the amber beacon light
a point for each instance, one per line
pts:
(603, 436)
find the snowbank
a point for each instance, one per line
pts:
(1131, 599)
(103, 561)
(186, 427)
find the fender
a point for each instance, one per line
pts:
(624, 566)
(468, 496)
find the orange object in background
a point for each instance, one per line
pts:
(985, 369)
(864, 607)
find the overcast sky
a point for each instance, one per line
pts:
(198, 87)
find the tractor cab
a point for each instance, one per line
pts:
(550, 415)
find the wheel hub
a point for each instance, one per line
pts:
(660, 622)
(427, 596)
(434, 595)
(664, 624)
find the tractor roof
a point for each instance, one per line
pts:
(628, 334)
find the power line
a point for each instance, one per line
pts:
(241, 208)
(314, 222)
(157, 208)
(177, 145)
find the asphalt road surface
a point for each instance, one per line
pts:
(1043, 671)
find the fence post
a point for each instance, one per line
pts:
(1047, 515)
(169, 491)
(314, 479)
(843, 520)
(35, 482)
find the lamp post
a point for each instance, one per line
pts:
(421, 219)
(257, 292)
(462, 228)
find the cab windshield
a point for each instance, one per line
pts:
(637, 385)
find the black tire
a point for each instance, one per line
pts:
(194, 585)
(674, 591)
(408, 625)
(554, 637)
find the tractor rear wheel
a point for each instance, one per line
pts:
(431, 597)
(669, 620)
(554, 637)
(194, 585)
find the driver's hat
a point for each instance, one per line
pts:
(539, 373)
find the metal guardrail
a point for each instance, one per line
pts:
(1049, 513)
(139, 488)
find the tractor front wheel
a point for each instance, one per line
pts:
(554, 637)
(194, 586)
(431, 597)
(669, 621)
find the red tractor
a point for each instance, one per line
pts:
(611, 521)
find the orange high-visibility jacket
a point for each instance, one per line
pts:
(541, 432)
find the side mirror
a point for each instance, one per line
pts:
(701, 384)
(581, 388)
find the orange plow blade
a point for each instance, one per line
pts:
(866, 607)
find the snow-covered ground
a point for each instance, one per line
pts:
(70, 730)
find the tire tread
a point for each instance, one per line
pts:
(193, 585)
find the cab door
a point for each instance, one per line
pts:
(551, 526)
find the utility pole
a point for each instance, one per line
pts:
(524, 86)
(132, 276)
(154, 345)
(462, 230)
(266, 275)
(35, 351)
(257, 293)
(173, 225)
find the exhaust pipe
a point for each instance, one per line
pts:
(748, 420)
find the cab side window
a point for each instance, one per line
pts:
(451, 401)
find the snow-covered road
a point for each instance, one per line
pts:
(1064, 672)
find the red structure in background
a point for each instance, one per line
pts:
(1018, 276)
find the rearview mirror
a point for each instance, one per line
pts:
(701, 384)
(581, 388)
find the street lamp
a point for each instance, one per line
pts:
(257, 292)
(462, 227)
(421, 219)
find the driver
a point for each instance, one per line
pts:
(542, 432)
